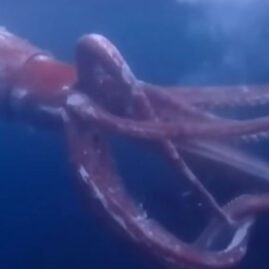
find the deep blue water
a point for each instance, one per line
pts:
(43, 223)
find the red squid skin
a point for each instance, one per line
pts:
(34, 78)
(25, 67)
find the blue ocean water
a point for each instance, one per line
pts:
(43, 223)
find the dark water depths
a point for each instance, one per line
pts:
(42, 221)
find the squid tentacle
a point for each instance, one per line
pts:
(253, 95)
(86, 110)
(96, 173)
(169, 149)
(105, 53)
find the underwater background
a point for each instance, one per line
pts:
(43, 223)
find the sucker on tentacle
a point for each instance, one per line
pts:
(259, 137)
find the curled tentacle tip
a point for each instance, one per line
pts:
(95, 51)
(92, 40)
